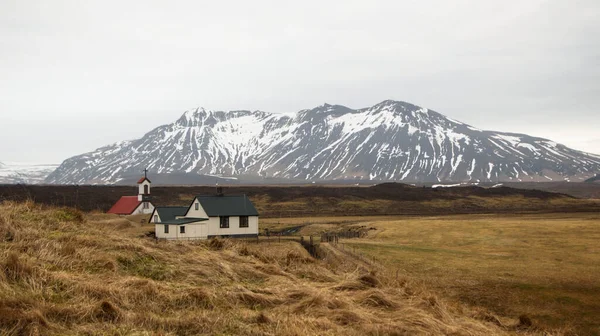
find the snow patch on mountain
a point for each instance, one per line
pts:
(26, 173)
(390, 141)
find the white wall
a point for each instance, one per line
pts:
(141, 187)
(140, 209)
(214, 228)
(196, 230)
(213, 223)
(152, 218)
(193, 213)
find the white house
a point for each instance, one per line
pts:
(134, 205)
(208, 216)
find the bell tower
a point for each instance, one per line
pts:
(144, 187)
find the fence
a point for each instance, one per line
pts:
(312, 247)
(333, 237)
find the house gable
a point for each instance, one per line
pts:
(196, 213)
(154, 213)
(167, 213)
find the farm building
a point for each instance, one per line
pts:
(218, 215)
(134, 205)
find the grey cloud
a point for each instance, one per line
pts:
(103, 71)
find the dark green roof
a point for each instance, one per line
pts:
(170, 212)
(183, 221)
(227, 205)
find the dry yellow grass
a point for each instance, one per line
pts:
(546, 265)
(316, 225)
(64, 273)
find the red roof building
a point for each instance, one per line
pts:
(126, 205)
(140, 204)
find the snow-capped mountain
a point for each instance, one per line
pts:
(27, 173)
(391, 141)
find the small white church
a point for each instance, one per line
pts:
(135, 205)
(208, 216)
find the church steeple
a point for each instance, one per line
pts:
(144, 187)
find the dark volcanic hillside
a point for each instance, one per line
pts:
(273, 201)
(595, 179)
(391, 141)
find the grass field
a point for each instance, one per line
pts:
(63, 272)
(544, 266)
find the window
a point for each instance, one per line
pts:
(155, 218)
(166, 229)
(197, 206)
(182, 229)
(224, 222)
(243, 221)
(146, 189)
(146, 205)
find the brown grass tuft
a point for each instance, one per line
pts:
(489, 317)
(370, 280)
(69, 215)
(107, 312)
(196, 297)
(262, 318)
(345, 317)
(378, 299)
(255, 300)
(17, 269)
(22, 323)
(349, 285)
(524, 322)
(318, 301)
(216, 244)
(293, 257)
(65, 314)
(244, 251)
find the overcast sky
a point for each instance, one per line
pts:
(77, 75)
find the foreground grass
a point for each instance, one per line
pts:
(64, 273)
(544, 266)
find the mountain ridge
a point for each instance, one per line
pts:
(390, 141)
(25, 173)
